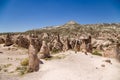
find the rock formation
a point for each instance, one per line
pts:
(67, 45)
(8, 40)
(77, 46)
(33, 58)
(2, 40)
(117, 52)
(58, 45)
(22, 42)
(44, 51)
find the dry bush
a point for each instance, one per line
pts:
(97, 53)
(24, 62)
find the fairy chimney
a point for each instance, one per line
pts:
(22, 42)
(33, 58)
(77, 46)
(58, 45)
(2, 40)
(44, 51)
(117, 51)
(67, 45)
(8, 40)
(83, 46)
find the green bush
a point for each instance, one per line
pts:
(25, 62)
(97, 53)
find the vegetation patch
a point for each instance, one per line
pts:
(24, 62)
(5, 65)
(55, 51)
(22, 70)
(97, 53)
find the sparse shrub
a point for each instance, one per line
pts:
(55, 50)
(6, 66)
(25, 62)
(48, 58)
(96, 53)
(22, 70)
(59, 57)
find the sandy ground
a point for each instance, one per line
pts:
(77, 67)
(71, 66)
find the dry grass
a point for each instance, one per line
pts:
(97, 53)
(22, 70)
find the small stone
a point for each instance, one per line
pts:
(102, 65)
(108, 61)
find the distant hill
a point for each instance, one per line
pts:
(73, 27)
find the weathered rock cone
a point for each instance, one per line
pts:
(67, 45)
(8, 40)
(77, 46)
(44, 51)
(33, 58)
(22, 42)
(2, 40)
(58, 45)
(83, 46)
(117, 52)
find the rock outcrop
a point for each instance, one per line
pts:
(2, 40)
(22, 42)
(8, 40)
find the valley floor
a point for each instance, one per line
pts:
(66, 66)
